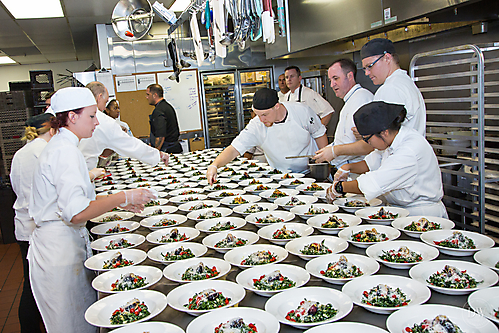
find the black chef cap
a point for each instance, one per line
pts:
(375, 117)
(264, 99)
(39, 120)
(377, 46)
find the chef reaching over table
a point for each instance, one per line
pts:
(281, 130)
(403, 168)
(61, 202)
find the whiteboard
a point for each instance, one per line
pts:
(184, 97)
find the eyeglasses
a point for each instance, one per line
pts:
(368, 67)
(366, 139)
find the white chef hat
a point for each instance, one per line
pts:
(50, 110)
(71, 98)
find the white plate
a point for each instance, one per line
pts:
(180, 199)
(134, 180)
(285, 216)
(205, 225)
(150, 327)
(237, 255)
(149, 222)
(123, 215)
(228, 201)
(251, 175)
(182, 191)
(186, 207)
(194, 215)
(155, 253)
(346, 327)
(218, 195)
(467, 320)
(149, 211)
(213, 188)
(178, 186)
(253, 189)
(423, 271)
(303, 188)
(106, 188)
(301, 229)
(103, 282)
(247, 182)
(162, 202)
(367, 265)
(346, 233)
(101, 243)
(280, 304)
(335, 244)
(488, 258)
(317, 221)
(168, 181)
(162, 194)
(175, 271)
(294, 273)
(427, 252)
(210, 240)
(340, 202)
(181, 294)
(263, 321)
(364, 214)
(146, 184)
(287, 182)
(102, 228)
(265, 205)
(98, 314)
(415, 291)
(303, 209)
(287, 191)
(403, 222)
(155, 236)
(481, 242)
(204, 182)
(96, 262)
(288, 175)
(485, 302)
(307, 199)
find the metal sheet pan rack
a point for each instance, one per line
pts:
(10, 142)
(460, 86)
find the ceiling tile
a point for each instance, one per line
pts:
(87, 24)
(31, 59)
(17, 51)
(58, 57)
(59, 48)
(89, 7)
(14, 41)
(52, 28)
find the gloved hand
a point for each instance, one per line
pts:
(325, 154)
(331, 193)
(341, 174)
(138, 196)
(164, 157)
(96, 173)
(211, 174)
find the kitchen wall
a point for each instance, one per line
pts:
(16, 73)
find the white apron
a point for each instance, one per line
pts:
(54, 263)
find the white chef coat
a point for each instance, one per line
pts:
(406, 174)
(124, 125)
(21, 178)
(108, 134)
(60, 283)
(354, 99)
(400, 89)
(281, 96)
(316, 102)
(295, 136)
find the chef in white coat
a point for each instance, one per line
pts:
(280, 129)
(37, 133)
(403, 168)
(61, 202)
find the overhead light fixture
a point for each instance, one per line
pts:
(180, 5)
(32, 9)
(4, 60)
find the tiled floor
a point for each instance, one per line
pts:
(11, 279)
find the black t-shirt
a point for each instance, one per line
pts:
(163, 121)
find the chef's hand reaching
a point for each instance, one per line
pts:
(164, 157)
(341, 174)
(331, 193)
(96, 173)
(136, 199)
(325, 154)
(211, 174)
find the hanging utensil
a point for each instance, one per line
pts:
(228, 37)
(281, 18)
(196, 39)
(218, 19)
(172, 50)
(256, 31)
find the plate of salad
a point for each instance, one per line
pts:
(209, 213)
(269, 280)
(353, 204)
(196, 269)
(163, 221)
(453, 277)
(150, 327)
(414, 226)
(197, 205)
(126, 308)
(117, 242)
(172, 235)
(114, 259)
(384, 294)
(457, 242)
(486, 303)
(199, 297)
(251, 208)
(402, 254)
(126, 279)
(350, 327)
(311, 188)
(220, 224)
(115, 228)
(238, 200)
(225, 241)
(174, 252)
(289, 202)
(308, 211)
(313, 246)
(381, 214)
(113, 217)
(309, 306)
(488, 258)
(255, 255)
(264, 218)
(281, 233)
(333, 223)
(368, 234)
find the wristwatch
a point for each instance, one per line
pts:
(339, 188)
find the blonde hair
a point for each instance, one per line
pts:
(31, 133)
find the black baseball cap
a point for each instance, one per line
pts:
(375, 117)
(377, 46)
(264, 99)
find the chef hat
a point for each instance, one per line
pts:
(38, 121)
(71, 98)
(50, 111)
(377, 46)
(265, 99)
(375, 117)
